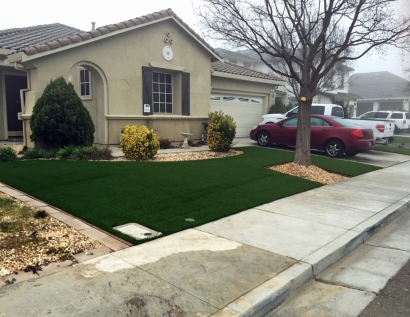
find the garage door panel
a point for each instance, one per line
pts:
(245, 115)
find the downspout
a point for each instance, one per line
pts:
(22, 99)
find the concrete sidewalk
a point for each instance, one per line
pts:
(242, 265)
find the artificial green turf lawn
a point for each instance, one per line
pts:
(392, 149)
(160, 195)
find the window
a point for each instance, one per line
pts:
(246, 65)
(85, 83)
(318, 122)
(397, 115)
(162, 92)
(293, 122)
(369, 115)
(381, 115)
(342, 80)
(337, 112)
(318, 110)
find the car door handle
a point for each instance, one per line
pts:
(325, 130)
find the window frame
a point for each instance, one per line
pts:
(160, 93)
(80, 83)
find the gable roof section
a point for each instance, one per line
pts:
(18, 39)
(229, 68)
(379, 85)
(111, 29)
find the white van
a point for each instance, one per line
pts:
(324, 109)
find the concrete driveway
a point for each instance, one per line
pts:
(378, 158)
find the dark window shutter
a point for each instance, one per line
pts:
(186, 94)
(147, 88)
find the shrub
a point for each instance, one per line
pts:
(138, 143)
(31, 154)
(165, 144)
(7, 154)
(59, 117)
(84, 153)
(221, 131)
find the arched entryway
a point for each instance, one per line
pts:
(90, 83)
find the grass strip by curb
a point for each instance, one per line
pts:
(160, 195)
(392, 149)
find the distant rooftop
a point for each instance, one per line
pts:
(379, 85)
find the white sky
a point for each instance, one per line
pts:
(80, 14)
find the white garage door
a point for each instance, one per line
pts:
(246, 111)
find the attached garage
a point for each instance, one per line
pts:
(245, 110)
(242, 93)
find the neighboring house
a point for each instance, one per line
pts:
(338, 83)
(380, 91)
(153, 70)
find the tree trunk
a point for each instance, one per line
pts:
(302, 154)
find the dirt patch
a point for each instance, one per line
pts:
(312, 173)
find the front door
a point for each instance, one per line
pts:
(13, 85)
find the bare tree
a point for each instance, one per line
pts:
(309, 36)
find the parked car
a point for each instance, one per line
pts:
(401, 118)
(333, 135)
(383, 130)
(324, 109)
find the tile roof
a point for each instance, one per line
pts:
(230, 68)
(376, 85)
(81, 36)
(22, 38)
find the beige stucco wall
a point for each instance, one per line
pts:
(242, 87)
(116, 64)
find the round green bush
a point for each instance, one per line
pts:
(7, 154)
(221, 131)
(59, 117)
(138, 143)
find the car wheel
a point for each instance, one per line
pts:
(396, 130)
(351, 153)
(334, 148)
(263, 138)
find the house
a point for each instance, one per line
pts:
(380, 91)
(153, 70)
(337, 82)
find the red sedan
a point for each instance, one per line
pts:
(333, 135)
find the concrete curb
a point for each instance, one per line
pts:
(273, 293)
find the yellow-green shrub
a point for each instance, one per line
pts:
(221, 131)
(138, 143)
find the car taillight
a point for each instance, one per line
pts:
(357, 133)
(404, 121)
(380, 127)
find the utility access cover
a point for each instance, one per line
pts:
(137, 231)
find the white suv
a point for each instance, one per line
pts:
(324, 109)
(401, 118)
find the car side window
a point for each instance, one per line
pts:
(294, 112)
(369, 115)
(381, 115)
(337, 112)
(397, 116)
(290, 123)
(318, 122)
(407, 115)
(318, 110)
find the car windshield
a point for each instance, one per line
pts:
(344, 122)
